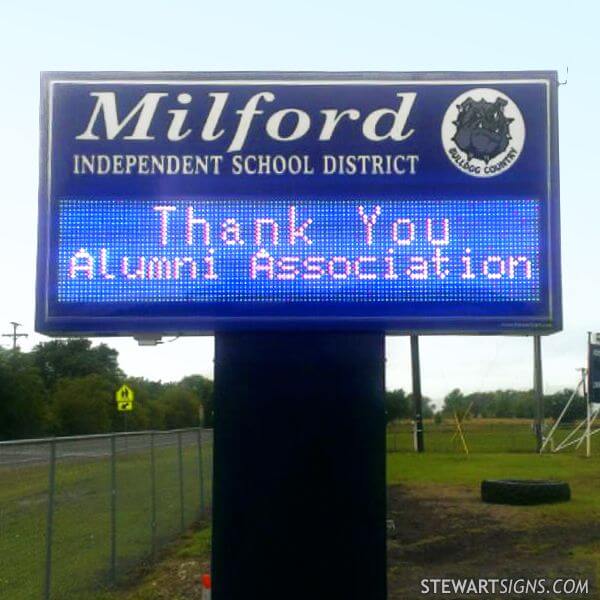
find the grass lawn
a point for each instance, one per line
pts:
(467, 472)
(442, 526)
(82, 541)
(482, 436)
(176, 577)
(444, 529)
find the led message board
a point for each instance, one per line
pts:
(199, 202)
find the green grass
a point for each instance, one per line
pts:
(553, 540)
(435, 474)
(81, 547)
(481, 435)
(178, 572)
(433, 469)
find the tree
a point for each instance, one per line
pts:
(455, 401)
(203, 388)
(73, 358)
(396, 405)
(182, 407)
(555, 403)
(22, 397)
(426, 406)
(83, 405)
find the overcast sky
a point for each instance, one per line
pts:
(307, 35)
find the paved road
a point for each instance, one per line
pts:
(93, 448)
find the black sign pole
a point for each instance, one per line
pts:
(417, 397)
(538, 388)
(299, 466)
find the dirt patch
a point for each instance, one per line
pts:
(440, 532)
(177, 576)
(449, 533)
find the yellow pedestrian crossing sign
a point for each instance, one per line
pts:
(124, 398)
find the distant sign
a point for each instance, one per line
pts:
(124, 398)
(200, 202)
(594, 369)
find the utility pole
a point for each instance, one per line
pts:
(538, 388)
(14, 335)
(588, 416)
(417, 396)
(587, 394)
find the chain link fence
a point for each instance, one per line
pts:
(78, 514)
(479, 435)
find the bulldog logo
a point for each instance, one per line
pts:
(482, 129)
(483, 132)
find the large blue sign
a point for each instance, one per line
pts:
(200, 202)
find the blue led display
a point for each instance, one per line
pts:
(319, 250)
(189, 203)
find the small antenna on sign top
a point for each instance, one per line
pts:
(566, 79)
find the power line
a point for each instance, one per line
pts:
(14, 335)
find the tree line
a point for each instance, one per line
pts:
(67, 387)
(498, 404)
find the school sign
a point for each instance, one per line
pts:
(202, 202)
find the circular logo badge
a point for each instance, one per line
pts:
(483, 132)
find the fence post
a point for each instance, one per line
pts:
(113, 508)
(180, 457)
(50, 519)
(153, 496)
(201, 470)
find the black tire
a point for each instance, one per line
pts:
(522, 492)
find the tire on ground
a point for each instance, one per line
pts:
(524, 492)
